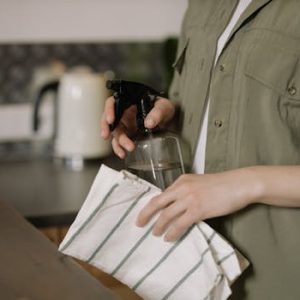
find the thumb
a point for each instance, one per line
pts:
(162, 112)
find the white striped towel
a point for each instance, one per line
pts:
(201, 265)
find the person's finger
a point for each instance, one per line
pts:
(118, 149)
(161, 113)
(168, 215)
(178, 227)
(120, 135)
(109, 110)
(154, 205)
(105, 131)
(129, 119)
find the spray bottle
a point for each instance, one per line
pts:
(157, 157)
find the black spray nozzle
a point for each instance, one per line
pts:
(127, 93)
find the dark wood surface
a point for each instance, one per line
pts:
(48, 193)
(32, 268)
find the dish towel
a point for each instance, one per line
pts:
(200, 265)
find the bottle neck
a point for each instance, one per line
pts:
(147, 131)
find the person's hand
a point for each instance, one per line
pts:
(162, 112)
(193, 198)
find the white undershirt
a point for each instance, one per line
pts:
(199, 159)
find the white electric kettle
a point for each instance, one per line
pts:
(80, 101)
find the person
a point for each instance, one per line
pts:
(237, 86)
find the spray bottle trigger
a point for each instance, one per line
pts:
(118, 112)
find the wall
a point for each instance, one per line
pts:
(89, 20)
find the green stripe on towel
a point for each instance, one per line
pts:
(210, 238)
(131, 251)
(90, 217)
(186, 276)
(161, 260)
(225, 258)
(117, 225)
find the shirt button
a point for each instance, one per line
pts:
(292, 90)
(222, 68)
(218, 123)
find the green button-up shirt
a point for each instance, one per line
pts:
(254, 119)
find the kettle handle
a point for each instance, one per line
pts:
(51, 86)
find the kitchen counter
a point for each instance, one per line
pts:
(48, 193)
(32, 268)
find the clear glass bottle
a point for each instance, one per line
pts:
(157, 157)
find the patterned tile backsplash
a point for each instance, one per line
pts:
(143, 62)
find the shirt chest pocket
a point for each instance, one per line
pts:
(180, 60)
(276, 72)
(180, 69)
(277, 69)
